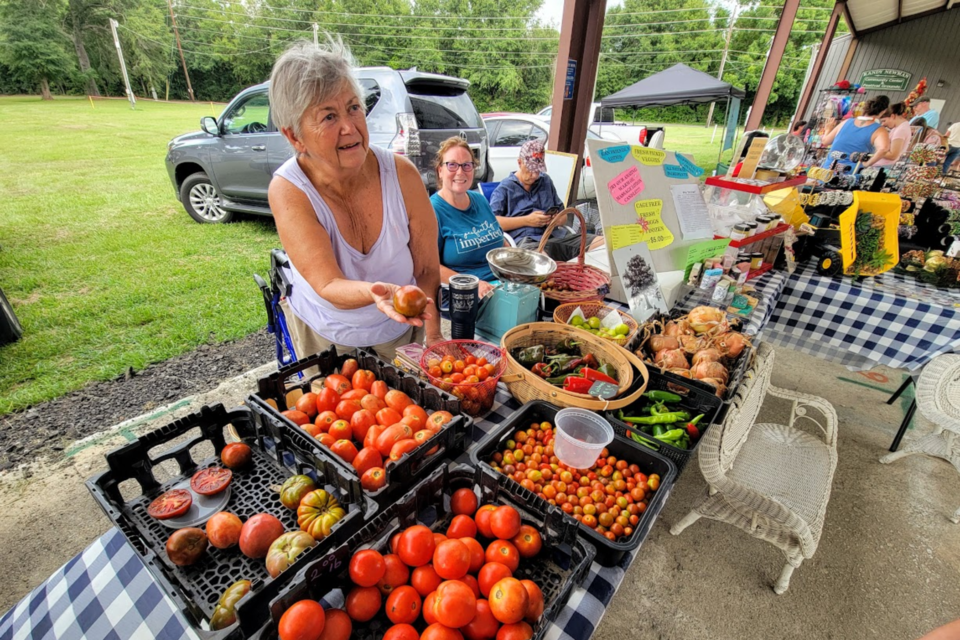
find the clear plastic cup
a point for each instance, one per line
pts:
(580, 437)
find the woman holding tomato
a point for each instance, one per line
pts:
(354, 219)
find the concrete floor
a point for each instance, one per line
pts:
(888, 564)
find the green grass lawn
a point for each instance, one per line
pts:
(102, 265)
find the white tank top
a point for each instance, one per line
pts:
(389, 260)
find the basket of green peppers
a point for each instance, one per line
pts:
(669, 423)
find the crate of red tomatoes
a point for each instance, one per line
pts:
(222, 513)
(464, 554)
(614, 503)
(383, 427)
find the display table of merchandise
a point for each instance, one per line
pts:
(769, 287)
(890, 320)
(106, 591)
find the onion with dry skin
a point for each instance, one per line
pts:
(677, 328)
(719, 385)
(704, 319)
(683, 373)
(732, 344)
(693, 344)
(672, 359)
(709, 354)
(661, 342)
(710, 370)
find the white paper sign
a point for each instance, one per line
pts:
(639, 281)
(691, 212)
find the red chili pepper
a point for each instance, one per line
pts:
(577, 385)
(595, 376)
(692, 427)
(542, 369)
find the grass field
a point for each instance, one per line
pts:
(102, 265)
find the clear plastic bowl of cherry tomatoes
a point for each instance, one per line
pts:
(468, 369)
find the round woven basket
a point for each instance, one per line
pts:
(594, 309)
(587, 283)
(525, 385)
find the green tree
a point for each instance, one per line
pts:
(34, 48)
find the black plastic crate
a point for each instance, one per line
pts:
(196, 589)
(737, 368)
(562, 564)
(695, 401)
(609, 553)
(452, 439)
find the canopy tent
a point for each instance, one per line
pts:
(677, 85)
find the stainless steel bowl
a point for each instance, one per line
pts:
(520, 265)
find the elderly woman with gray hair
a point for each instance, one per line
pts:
(354, 219)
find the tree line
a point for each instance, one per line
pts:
(50, 47)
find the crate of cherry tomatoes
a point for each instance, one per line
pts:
(215, 520)
(464, 554)
(615, 502)
(383, 427)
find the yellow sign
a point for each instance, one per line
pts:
(749, 166)
(649, 227)
(651, 157)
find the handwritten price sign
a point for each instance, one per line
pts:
(656, 234)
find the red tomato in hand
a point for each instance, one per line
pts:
(363, 379)
(464, 502)
(451, 559)
(403, 605)
(367, 567)
(416, 545)
(304, 620)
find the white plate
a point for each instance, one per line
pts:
(202, 508)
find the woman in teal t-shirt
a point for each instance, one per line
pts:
(467, 227)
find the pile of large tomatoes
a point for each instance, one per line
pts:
(610, 497)
(449, 585)
(463, 379)
(364, 422)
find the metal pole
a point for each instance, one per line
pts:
(183, 61)
(123, 65)
(723, 58)
(316, 28)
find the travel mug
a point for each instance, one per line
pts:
(464, 303)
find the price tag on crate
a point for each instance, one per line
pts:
(603, 390)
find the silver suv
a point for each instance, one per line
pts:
(226, 168)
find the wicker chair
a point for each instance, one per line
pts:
(773, 481)
(938, 399)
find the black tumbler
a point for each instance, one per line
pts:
(464, 302)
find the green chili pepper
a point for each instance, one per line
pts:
(642, 441)
(670, 436)
(658, 430)
(530, 355)
(609, 370)
(661, 418)
(662, 396)
(558, 381)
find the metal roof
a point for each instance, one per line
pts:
(863, 16)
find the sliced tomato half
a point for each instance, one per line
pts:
(171, 504)
(210, 482)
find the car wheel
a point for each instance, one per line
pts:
(10, 329)
(201, 200)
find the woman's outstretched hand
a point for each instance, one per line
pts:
(382, 293)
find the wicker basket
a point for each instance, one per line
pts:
(587, 282)
(590, 309)
(525, 385)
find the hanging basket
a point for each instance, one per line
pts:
(587, 283)
(525, 385)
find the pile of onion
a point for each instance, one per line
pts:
(699, 345)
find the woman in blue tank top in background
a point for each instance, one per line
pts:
(862, 134)
(355, 220)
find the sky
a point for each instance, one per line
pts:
(552, 10)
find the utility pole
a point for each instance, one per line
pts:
(176, 33)
(316, 28)
(723, 58)
(123, 65)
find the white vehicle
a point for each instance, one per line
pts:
(506, 133)
(605, 126)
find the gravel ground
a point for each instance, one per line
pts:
(46, 429)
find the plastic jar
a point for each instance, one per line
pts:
(751, 228)
(739, 232)
(764, 223)
(756, 261)
(580, 437)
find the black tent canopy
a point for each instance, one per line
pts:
(677, 85)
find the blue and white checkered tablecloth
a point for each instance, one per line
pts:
(891, 320)
(106, 593)
(768, 288)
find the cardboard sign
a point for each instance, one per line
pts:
(626, 186)
(615, 154)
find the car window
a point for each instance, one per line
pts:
(538, 133)
(249, 116)
(438, 108)
(547, 112)
(513, 133)
(371, 91)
